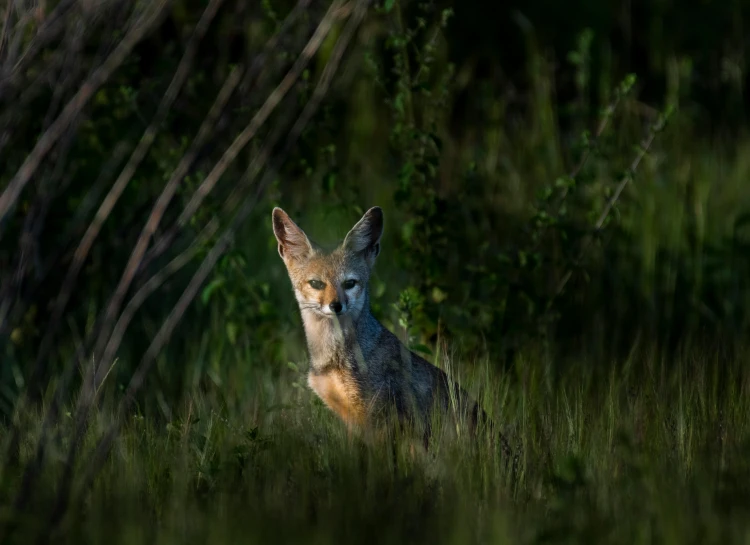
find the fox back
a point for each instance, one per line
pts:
(358, 368)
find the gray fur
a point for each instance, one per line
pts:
(358, 367)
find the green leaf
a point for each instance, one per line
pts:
(212, 286)
(422, 348)
(388, 5)
(379, 290)
(407, 230)
(438, 295)
(232, 332)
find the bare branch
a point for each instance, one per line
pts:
(210, 181)
(76, 104)
(155, 282)
(6, 23)
(203, 133)
(624, 181)
(162, 337)
(166, 239)
(53, 24)
(84, 247)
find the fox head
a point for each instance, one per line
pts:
(330, 285)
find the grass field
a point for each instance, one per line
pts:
(642, 451)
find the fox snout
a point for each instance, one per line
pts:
(336, 307)
(333, 301)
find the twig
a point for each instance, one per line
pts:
(33, 223)
(73, 45)
(179, 173)
(69, 114)
(210, 181)
(606, 117)
(53, 24)
(271, 44)
(87, 241)
(624, 181)
(310, 108)
(265, 111)
(181, 74)
(6, 23)
(165, 332)
(162, 337)
(154, 283)
(79, 258)
(329, 71)
(75, 106)
(166, 239)
(620, 92)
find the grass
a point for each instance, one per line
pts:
(641, 451)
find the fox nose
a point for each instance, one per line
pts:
(335, 307)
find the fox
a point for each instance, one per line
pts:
(358, 368)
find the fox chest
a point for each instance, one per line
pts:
(340, 394)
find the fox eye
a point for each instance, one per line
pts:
(349, 284)
(316, 284)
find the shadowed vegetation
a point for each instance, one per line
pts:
(567, 233)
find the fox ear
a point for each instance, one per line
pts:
(365, 235)
(293, 242)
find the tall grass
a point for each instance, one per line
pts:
(635, 451)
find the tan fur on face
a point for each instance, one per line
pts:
(332, 269)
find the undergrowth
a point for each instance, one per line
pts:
(647, 451)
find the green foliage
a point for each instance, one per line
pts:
(560, 226)
(489, 204)
(418, 103)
